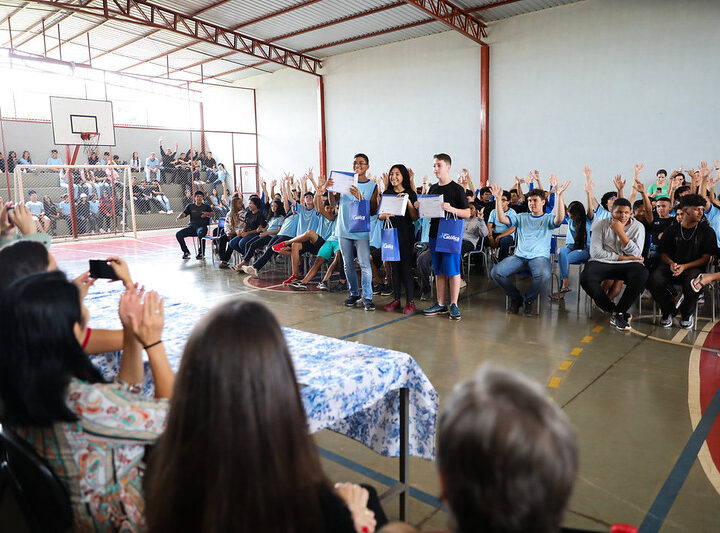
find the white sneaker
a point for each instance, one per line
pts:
(170, 212)
(163, 212)
(249, 269)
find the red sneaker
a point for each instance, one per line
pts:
(279, 246)
(290, 279)
(393, 306)
(409, 309)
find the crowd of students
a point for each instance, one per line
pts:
(224, 445)
(660, 237)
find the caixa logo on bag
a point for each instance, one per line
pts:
(388, 246)
(449, 237)
(359, 217)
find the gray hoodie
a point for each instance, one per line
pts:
(605, 245)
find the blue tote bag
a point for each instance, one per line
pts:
(450, 235)
(359, 216)
(390, 246)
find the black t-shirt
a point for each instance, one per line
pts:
(404, 224)
(520, 207)
(335, 513)
(454, 194)
(684, 245)
(659, 225)
(195, 212)
(254, 220)
(209, 162)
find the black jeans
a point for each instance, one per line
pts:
(264, 258)
(402, 275)
(191, 230)
(658, 285)
(634, 275)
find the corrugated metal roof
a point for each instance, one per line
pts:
(295, 20)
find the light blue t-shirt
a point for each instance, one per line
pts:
(570, 237)
(601, 213)
(423, 224)
(152, 163)
(54, 161)
(713, 217)
(307, 221)
(534, 235)
(34, 207)
(94, 206)
(326, 228)
(499, 227)
(367, 189)
(289, 226)
(274, 223)
(64, 206)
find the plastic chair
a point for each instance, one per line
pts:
(213, 240)
(40, 494)
(525, 274)
(477, 251)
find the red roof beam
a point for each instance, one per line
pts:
(454, 16)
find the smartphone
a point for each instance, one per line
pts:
(99, 268)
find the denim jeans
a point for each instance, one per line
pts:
(240, 243)
(504, 245)
(348, 247)
(566, 256)
(191, 230)
(162, 202)
(539, 268)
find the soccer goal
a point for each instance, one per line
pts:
(78, 201)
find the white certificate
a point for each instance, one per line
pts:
(393, 204)
(342, 181)
(431, 206)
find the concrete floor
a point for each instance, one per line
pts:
(626, 393)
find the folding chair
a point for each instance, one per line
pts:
(215, 239)
(477, 251)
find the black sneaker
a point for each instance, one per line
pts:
(622, 321)
(514, 307)
(200, 256)
(323, 286)
(369, 305)
(528, 308)
(377, 289)
(298, 285)
(351, 301)
(385, 290)
(186, 255)
(666, 321)
(687, 323)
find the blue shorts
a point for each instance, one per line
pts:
(444, 263)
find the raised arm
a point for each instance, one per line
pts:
(559, 190)
(619, 184)
(502, 218)
(592, 203)
(640, 187)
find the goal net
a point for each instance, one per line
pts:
(78, 201)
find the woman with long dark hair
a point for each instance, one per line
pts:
(277, 215)
(577, 245)
(399, 184)
(236, 454)
(92, 434)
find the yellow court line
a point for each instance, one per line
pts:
(598, 329)
(554, 382)
(565, 365)
(587, 339)
(576, 351)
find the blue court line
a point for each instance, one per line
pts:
(424, 497)
(669, 491)
(382, 325)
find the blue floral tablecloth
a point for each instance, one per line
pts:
(350, 388)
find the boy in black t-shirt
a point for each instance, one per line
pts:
(200, 215)
(446, 266)
(685, 250)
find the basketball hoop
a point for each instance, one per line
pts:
(90, 141)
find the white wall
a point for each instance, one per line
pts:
(607, 83)
(399, 103)
(602, 82)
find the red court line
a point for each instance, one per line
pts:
(121, 246)
(709, 383)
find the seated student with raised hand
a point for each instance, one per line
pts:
(502, 236)
(534, 236)
(685, 250)
(507, 456)
(603, 209)
(577, 245)
(241, 400)
(92, 434)
(616, 253)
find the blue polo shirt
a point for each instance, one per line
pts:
(534, 235)
(499, 227)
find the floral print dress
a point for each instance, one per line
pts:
(99, 458)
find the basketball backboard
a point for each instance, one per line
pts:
(73, 116)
